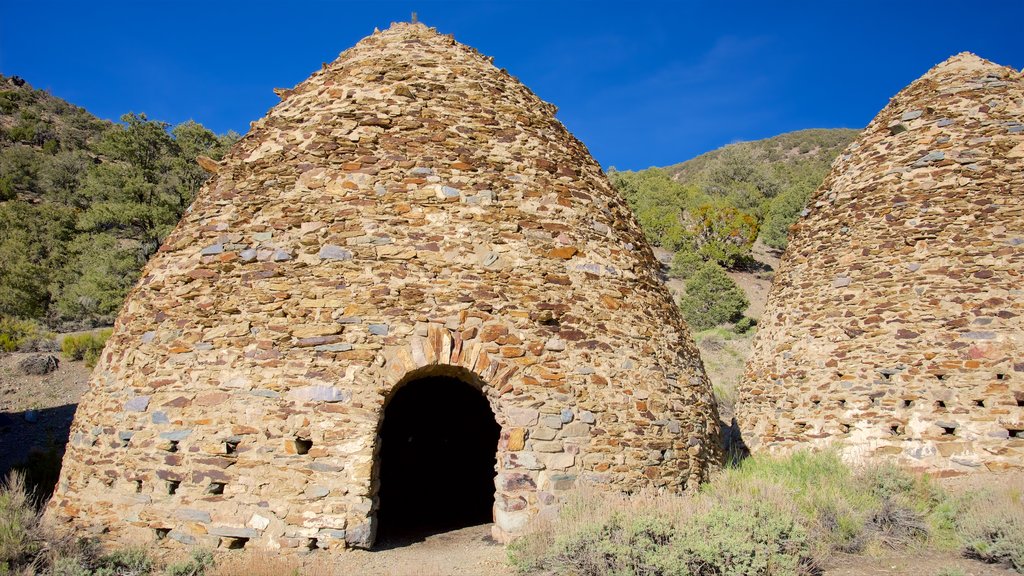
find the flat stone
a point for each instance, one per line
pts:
(137, 404)
(554, 422)
(325, 467)
(192, 515)
(566, 415)
(555, 344)
(211, 250)
(378, 329)
(259, 522)
(576, 430)
(525, 417)
(331, 252)
(182, 537)
(316, 492)
(543, 433)
(841, 282)
(319, 393)
(232, 532)
(177, 435)
(339, 347)
(930, 158)
(911, 115)
(359, 536)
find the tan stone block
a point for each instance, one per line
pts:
(516, 439)
(314, 330)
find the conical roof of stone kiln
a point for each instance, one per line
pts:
(896, 319)
(408, 210)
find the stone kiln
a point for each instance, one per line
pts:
(896, 322)
(408, 219)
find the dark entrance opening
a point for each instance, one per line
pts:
(437, 460)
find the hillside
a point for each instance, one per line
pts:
(84, 202)
(725, 215)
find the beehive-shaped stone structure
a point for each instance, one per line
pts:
(408, 219)
(896, 321)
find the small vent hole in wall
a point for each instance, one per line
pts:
(311, 544)
(894, 429)
(233, 543)
(1015, 432)
(172, 486)
(842, 402)
(844, 428)
(138, 486)
(173, 446)
(940, 403)
(161, 533)
(948, 430)
(979, 403)
(1000, 376)
(908, 403)
(1020, 400)
(215, 488)
(302, 445)
(816, 402)
(231, 446)
(942, 377)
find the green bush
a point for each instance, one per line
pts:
(685, 263)
(744, 325)
(712, 298)
(745, 536)
(24, 335)
(85, 346)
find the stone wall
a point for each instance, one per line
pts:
(895, 325)
(408, 210)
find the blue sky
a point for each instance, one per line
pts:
(640, 83)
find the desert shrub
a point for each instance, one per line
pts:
(764, 516)
(744, 325)
(744, 538)
(87, 346)
(712, 298)
(22, 335)
(19, 524)
(990, 523)
(132, 561)
(197, 565)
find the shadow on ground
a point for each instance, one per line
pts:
(34, 441)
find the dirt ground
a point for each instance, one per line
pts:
(36, 411)
(913, 563)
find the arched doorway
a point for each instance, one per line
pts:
(437, 460)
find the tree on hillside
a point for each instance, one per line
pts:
(712, 298)
(79, 218)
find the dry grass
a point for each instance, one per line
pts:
(990, 523)
(258, 563)
(773, 516)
